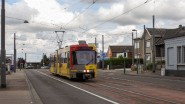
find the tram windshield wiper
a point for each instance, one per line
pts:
(90, 61)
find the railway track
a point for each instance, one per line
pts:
(127, 91)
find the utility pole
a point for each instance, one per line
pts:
(144, 50)
(43, 60)
(137, 48)
(96, 50)
(15, 53)
(153, 50)
(96, 43)
(133, 53)
(3, 52)
(25, 57)
(124, 51)
(25, 61)
(103, 52)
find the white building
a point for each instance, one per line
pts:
(175, 52)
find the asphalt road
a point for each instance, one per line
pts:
(55, 90)
(110, 86)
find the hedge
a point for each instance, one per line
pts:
(119, 62)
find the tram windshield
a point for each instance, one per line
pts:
(83, 57)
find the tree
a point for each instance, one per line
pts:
(21, 61)
(45, 60)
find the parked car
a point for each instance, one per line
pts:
(44, 67)
(30, 67)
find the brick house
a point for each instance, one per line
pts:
(115, 51)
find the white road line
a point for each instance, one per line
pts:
(79, 88)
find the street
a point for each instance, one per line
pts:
(109, 87)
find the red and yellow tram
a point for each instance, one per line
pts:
(75, 61)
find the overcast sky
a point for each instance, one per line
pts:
(83, 20)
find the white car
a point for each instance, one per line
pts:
(44, 67)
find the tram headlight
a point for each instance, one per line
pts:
(87, 71)
(84, 71)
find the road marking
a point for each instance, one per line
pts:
(78, 88)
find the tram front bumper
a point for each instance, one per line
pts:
(85, 75)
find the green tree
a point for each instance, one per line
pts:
(45, 60)
(22, 62)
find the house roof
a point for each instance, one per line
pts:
(179, 32)
(120, 48)
(162, 34)
(159, 32)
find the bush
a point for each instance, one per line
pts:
(119, 62)
(149, 66)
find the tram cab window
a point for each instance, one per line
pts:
(74, 57)
(83, 57)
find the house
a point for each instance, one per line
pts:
(164, 39)
(147, 41)
(117, 50)
(175, 52)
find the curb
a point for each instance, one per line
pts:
(34, 96)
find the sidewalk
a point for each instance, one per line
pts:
(147, 73)
(18, 90)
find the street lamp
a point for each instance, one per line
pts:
(15, 51)
(136, 49)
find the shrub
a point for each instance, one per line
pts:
(149, 66)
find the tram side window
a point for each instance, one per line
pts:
(51, 60)
(65, 58)
(54, 60)
(62, 57)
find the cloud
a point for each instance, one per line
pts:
(46, 17)
(99, 1)
(108, 13)
(50, 12)
(18, 12)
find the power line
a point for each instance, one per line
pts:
(94, 1)
(25, 21)
(120, 14)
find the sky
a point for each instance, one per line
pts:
(83, 20)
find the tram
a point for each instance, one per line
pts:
(75, 61)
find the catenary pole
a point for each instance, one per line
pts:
(133, 53)
(144, 63)
(153, 50)
(96, 50)
(15, 53)
(3, 53)
(137, 48)
(103, 52)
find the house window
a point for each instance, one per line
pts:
(147, 44)
(136, 45)
(179, 54)
(148, 57)
(170, 56)
(183, 54)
